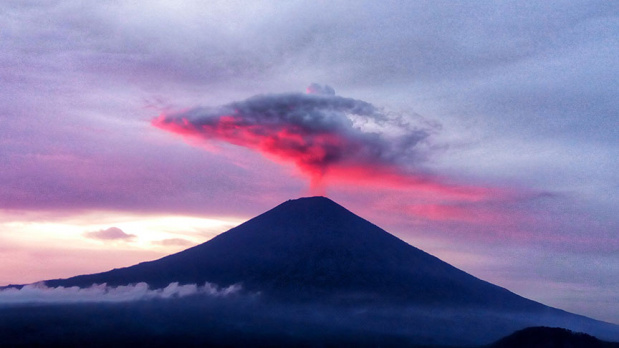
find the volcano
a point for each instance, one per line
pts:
(314, 248)
(313, 253)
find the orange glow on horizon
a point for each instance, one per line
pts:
(35, 248)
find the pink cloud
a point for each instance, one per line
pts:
(112, 233)
(174, 242)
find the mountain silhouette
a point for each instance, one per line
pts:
(312, 247)
(550, 337)
(314, 251)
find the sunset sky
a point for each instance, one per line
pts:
(485, 133)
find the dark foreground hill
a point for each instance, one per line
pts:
(312, 272)
(551, 337)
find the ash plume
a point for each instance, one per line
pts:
(322, 134)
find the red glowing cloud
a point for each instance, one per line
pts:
(315, 132)
(313, 153)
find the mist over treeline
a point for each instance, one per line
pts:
(98, 293)
(192, 321)
(242, 320)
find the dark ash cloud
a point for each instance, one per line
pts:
(322, 134)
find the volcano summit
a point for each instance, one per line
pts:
(311, 265)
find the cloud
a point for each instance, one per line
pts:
(174, 242)
(39, 293)
(112, 233)
(327, 137)
(315, 88)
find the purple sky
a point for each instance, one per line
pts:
(485, 134)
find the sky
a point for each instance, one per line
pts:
(485, 133)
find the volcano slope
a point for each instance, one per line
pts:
(315, 271)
